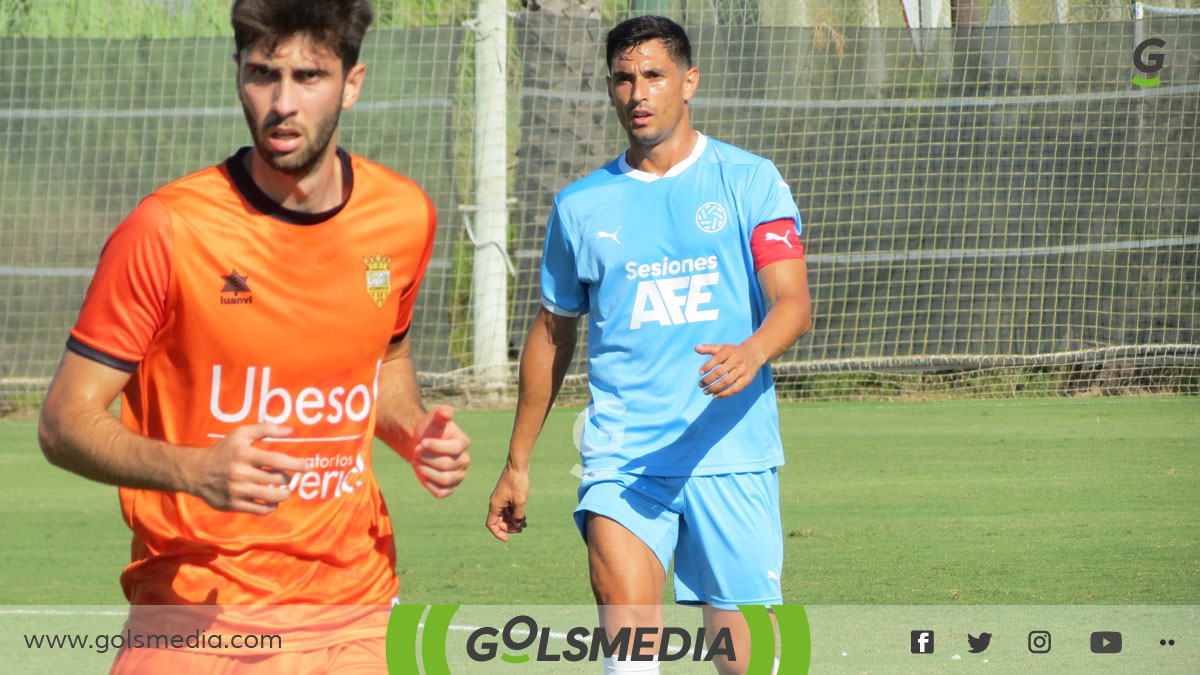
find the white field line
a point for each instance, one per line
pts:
(520, 632)
(59, 612)
(517, 632)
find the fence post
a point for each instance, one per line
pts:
(489, 284)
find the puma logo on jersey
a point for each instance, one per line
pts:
(771, 236)
(610, 235)
(674, 300)
(772, 575)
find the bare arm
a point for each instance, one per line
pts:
(732, 367)
(77, 433)
(544, 362)
(430, 441)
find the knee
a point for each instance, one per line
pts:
(612, 590)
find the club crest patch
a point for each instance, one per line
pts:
(379, 278)
(711, 217)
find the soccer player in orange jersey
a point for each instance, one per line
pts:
(254, 318)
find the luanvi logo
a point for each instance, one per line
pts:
(522, 639)
(236, 283)
(1150, 63)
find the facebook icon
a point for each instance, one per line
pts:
(922, 642)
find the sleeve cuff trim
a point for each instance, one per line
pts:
(105, 358)
(559, 311)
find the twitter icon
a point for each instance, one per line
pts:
(978, 644)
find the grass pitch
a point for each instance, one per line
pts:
(957, 516)
(1030, 502)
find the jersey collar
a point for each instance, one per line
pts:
(261, 202)
(647, 177)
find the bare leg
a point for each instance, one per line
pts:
(627, 579)
(716, 619)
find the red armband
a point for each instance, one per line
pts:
(775, 241)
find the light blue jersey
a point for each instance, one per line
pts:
(661, 265)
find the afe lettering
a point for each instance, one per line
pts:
(659, 301)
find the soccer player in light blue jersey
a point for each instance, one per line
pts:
(685, 254)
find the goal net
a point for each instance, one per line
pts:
(989, 209)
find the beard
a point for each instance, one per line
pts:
(301, 161)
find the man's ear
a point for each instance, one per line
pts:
(237, 78)
(353, 84)
(691, 82)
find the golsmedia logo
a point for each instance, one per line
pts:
(626, 644)
(1150, 63)
(417, 636)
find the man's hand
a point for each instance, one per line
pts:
(730, 369)
(233, 475)
(440, 457)
(506, 511)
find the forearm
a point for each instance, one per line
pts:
(400, 405)
(544, 363)
(88, 441)
(789, 318)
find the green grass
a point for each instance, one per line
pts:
(1029, 502)
(963, 516)
(1060, 502)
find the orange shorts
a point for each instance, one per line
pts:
(359, 657)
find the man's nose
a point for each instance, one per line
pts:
(283, 104)
(639, 89)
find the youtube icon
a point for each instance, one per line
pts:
(1106, 642)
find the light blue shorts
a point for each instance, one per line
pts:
(723, 530)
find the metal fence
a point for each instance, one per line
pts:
(989, 210)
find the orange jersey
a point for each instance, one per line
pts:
(230, 310)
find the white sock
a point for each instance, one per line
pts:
(614, 667)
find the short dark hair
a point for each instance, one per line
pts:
(338, 25)
(640, 29)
